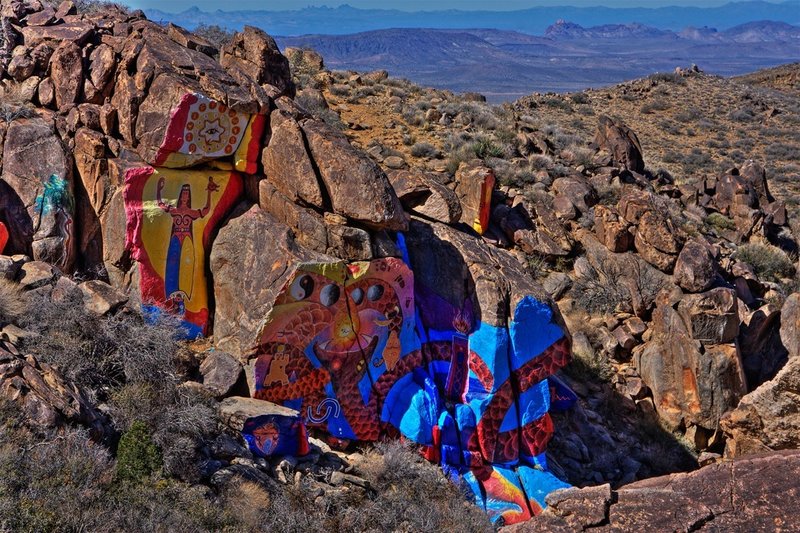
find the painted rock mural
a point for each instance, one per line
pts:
(358, 348)
(346, 345)
(201, 129)
(172, 216)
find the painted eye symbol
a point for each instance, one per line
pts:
(302, 287)
(329, 295)
(357, 295)
(375, 293)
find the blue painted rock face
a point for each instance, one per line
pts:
(363, 350)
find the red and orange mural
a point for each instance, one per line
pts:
(201, 129)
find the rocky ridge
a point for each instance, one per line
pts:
(688, 329)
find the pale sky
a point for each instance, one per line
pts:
(405, 5)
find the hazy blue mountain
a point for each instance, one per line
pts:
(505, 65)
(345, 19)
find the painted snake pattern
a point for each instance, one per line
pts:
(351, 322)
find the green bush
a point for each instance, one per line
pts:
(484, 149)
(770, 262)
(720, 222)
(137, 455)
(424, 150)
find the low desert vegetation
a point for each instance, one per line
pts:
(769, 262)
(147, 475)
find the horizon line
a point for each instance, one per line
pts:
(343, 5)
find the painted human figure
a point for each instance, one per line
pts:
(181, 244)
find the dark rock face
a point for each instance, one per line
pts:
(768, 418)
(692, 362)
(748, 494)
(244, 296)
(621, 142)
(695, 269)
(39, 200)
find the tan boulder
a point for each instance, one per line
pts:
(244, 295)
(692, 382)
(288, 166)
(101, 298)
(358, 189)
(66, 71)
(474, 183)
(256, 54)
(421, 194)
(611, 229)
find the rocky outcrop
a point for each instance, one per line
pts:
(621, 143)
(255, 53)
(245, 296)
(768, 418)
(46, 398)
(755, 493)
(692, 363)
(356, 186)
(421, 194)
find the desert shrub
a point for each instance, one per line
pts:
(583, 156)
(137, 455)
(51, 483)
(340, 89)
(410, 495)
(413, 117)
(10, 111)
(216, 35)
(485, 148)
(424, 150)
(101, 352)
(12, 305)
(540, 162)
(611, 284)
(579, 98)
(669, 127)
(319, 109)
(770, 262)
(668, 77)
(742, 115)
(782, 151)
(655, 105)
(720, 222)
(557, 103)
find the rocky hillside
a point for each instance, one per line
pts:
(644, 263)
(233, 281)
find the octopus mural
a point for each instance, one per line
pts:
(348, 345)
(169, 233)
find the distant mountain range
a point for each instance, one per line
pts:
(345, 19)
(505, 65)
(534, 50)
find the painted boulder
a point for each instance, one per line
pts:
(364, 352)
(171, 218)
